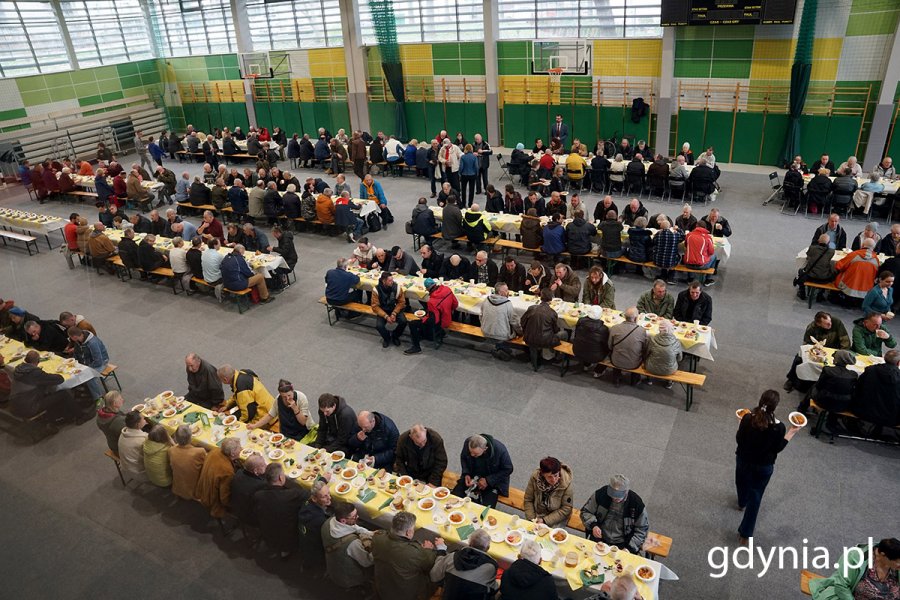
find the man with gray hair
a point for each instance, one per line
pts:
(421, 454)
(628, 343)
(525, 578)
(277, 507)
(312, 517)
(486, 468)
(499, 321)
(469, 572)
(620, 588)
(244, 485)
(402, 564)
(340, 286)
(186, 461)
(616, 515)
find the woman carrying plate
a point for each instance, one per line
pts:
(760, 437)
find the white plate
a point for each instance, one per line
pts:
(459, 522)
(800, 417)
(436, 492)
(276, 454)
(169, 413)
(645, 579)
(427, 504)
(521, 538)
(601, 549)
(556, 532)
(342, 488)
(349, 473)
(358, 483)
(229, 420)
(497, 537)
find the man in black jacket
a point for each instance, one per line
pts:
(512, 273)
(876, 398)
(485, 470)
(312, 516)
(421, 455)
(693, 304)
(822, 163)
(141, 223)
(431, 261)
(288, 252)
(837, 237)
(702, 178)
(46, 336)
(579, 234)
(244, 485)
(277, 507)
(336, 423)
(204, 386)
(149, 257)
(34, 391)
(374, 439)
(483, 269)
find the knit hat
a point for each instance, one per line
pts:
(595, 312)
(15, 310)
(842, 358)
(430, 283)
(618, 487)
(520, 146)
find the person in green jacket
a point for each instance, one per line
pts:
(156, 456)
(657, 301)
(869, 335)
(854, 579)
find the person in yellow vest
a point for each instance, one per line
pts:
(249, 394)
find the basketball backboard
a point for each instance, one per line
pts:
(572, 56)
(264, 65)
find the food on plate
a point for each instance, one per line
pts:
(491, 521)
(405, 481)
(645, 573)
(441, 493)
(797, 419)
(337, 455)
(229, 420)
(559, 536)
(169, 413)
(419, 313)
(343, 487)
(601, 548)
(288, 445)
(741, 412)
(457, 517)
(277, 438)
(426, 504)
(380, 473)
(571, 559)
(421, 488)
(276, 454)
(195, 428)
(349, 473)
(397, 504)
(514, 538)
(541, 530)
(138, 407)
(167, 394)
(246, 452)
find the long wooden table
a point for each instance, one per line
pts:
(810, 368)
(32, 223)
(697, 341)
(562, 158)
(838, 255)
(373, 501)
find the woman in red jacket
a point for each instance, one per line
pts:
(438, 316)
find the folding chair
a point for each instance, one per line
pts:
(775, 182)
(791, 192)
(504, 168)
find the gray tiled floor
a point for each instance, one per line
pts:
(65, 515)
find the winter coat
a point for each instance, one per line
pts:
(599, 295)
(424, 223)
(662, 308)
(856, 273)
(818, 265)
(498, 319)
(530, 229)
(611, 232)
(524, 580)
(156, 463)
(494, 465)
(635, 521)
(460, 271)
(628, 215)
(556, 510)
(492, 271)
(540, 325)
(688, 311)
(277, 508)
(441, 304)
(847, 575)
(335, 429)
(665, 248)
(699, 247)
(468, 574)
(640, 241)
(476, 227)
(571, 286)
(541, 280)
(452, 222)
(867, 342)
(425, 464)
(149, 257)
(515, 279)
(834, 389)
(554, 238)
(627, 345)
(591, 343)
(494, 203)
(111, 424)
(579, 234)
(380, 443)
(402, 567)
(663, 354)
(186, 463)
(840, 236)
(214, 485)
(244, 486)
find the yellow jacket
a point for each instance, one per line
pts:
(251, 396)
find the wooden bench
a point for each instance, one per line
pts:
(686, 379)
(238, 156)
(28, 240)
(183, 154)
(240, 297)
(822, 417)
(812, 287)
(701, 273)
(118, 462)
(82, 194)
(656, 546)
(31, 426)
(357, 307)
(514, 245)
(124, 271)
(805, 578)
(490, 241)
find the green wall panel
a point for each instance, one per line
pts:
(813, 130)
(418, 119)
(842, 134)
(748, 137)
(381, 116)
(719, 126)
(773, 140)
(524, 122)
(467, 118)
(690, 129)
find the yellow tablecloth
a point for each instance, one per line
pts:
(29, 221)
(696, 340)
(74, 373)
(434, 520)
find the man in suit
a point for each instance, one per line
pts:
(560, 130)
(211, 152)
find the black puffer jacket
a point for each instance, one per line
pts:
(524, 580)
(591, 343)
(579, 234)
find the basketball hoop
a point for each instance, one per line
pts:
(555, 74)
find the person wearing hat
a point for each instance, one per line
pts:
(591, 345)
(438, 316)
(870, 231)
(518, 163)
(616, 515)
(14, 323)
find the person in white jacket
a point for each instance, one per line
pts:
(448, 158)
(131, 446)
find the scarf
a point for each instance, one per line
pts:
(546, 492)
(370, 190)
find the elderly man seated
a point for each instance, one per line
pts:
(657, 301)
(826, 329)
(628, 343)
(402, 564)
(616, 515)
(869, 334)
(485, 470)
(374, 440)
(237, 275)
(525, 578)
(204, 386)
(421, 455)
(469, 572)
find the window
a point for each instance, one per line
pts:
(106, 32)
(587, 19)
(290, 24)
(193, 27)
(30, 40)
(428, 21)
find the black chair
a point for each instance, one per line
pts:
(504, 168)
(632, 182)
(775, 182)
(599, 181)
(657, 185)
(841, 202)
(821, 199)
(792, 194)
(677, 187)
